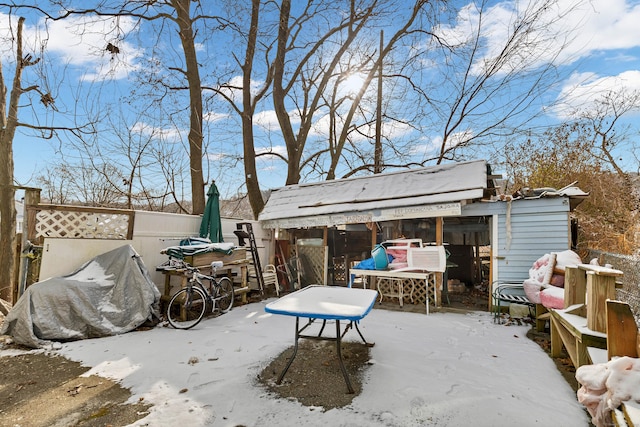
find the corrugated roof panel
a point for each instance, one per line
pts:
(453, 182)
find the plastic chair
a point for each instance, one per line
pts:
(430, 259)
(270, 277)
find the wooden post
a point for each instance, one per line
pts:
(622, 331)
(575, 286)
(600, 287)
(439, 276)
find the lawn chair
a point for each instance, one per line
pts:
(509, 293)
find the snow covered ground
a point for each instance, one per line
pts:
(445, 369)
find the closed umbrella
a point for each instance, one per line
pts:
(211, 226)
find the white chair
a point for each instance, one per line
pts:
(432, 259)
(429, 258)
(270, 277)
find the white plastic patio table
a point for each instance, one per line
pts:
(326, 303)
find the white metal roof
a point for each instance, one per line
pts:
(416, 193)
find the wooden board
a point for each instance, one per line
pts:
(569, 328)
(204, 260)
(622, 331)
(600, 288)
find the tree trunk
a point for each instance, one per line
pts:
(195, 98)
(7, 219)
(250, 171)
(294, 151)
(8, 124)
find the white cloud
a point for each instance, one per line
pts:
(79, 42)
(579, 27)
(582, 91)
(167, 135)
(267, 120)
(390, 130)
(214, 117)
(215, 157)
(395, 130)
(610, 24)
(430, 147)
(320, 126)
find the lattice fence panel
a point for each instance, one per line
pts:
(312, 259)
(419, 290)
(82, 225)
(340, 270)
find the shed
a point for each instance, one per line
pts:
(417, 193)
(489, 238)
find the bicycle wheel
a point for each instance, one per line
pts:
(225, 297)
(186, 308)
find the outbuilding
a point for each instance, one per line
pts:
(327, 227)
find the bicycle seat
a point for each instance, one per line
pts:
(216, 264)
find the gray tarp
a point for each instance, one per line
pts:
(111, 294)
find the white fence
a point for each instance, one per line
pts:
(152, 232)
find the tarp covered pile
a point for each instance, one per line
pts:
(111, 294)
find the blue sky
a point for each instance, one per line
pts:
(603, 54)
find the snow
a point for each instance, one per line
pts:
(325, 302)
(444, 369)
(93, 272)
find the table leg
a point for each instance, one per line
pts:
(295, 351)
(351, 325)
(413, 285)
(378, 281)
(339, 351)
(338, 340)
(324, 323)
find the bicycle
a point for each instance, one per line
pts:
(188, 306)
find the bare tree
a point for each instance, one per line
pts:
(305, 83)
(610, 134)
(487, 93)
(9, 124)
(129, 160)
(186, 16)
(250, 97)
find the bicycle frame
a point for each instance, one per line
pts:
(189, 305)
(213, 290)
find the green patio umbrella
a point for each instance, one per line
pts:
(211, 226)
